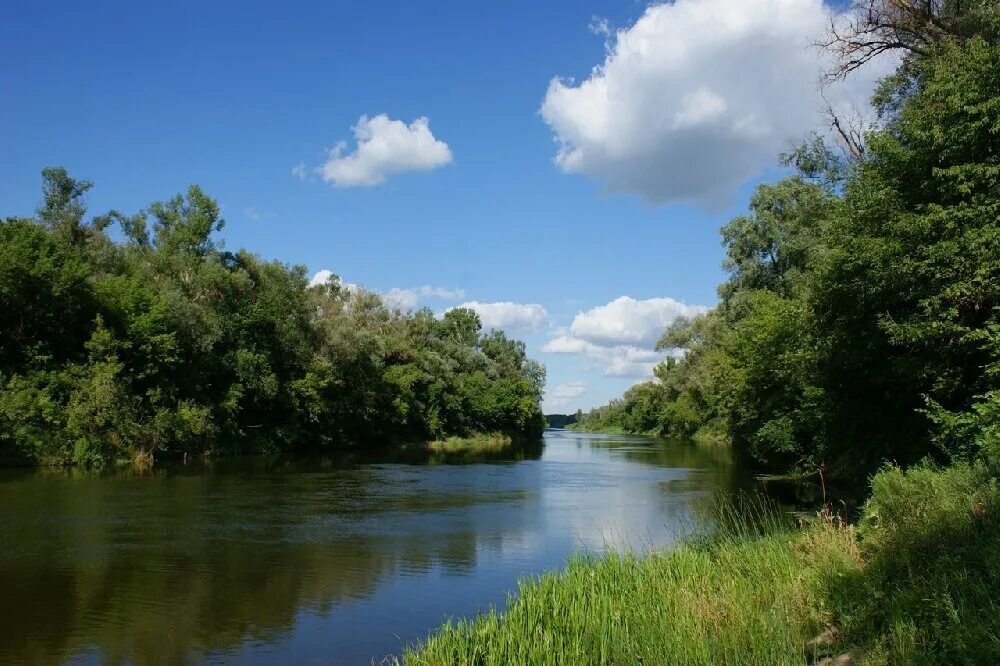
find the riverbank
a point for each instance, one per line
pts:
(914, 582)
(471, 446)
(476, 443)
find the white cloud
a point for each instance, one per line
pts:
(698, 96)
(324, 276)
(619, 337)
(560, 396)
(613, 360)
(321, 277)
(442, 293)
(599, 26)
(385, 147)
(627, 321)
(252, 213)
(569, 390)
(404, 299)
(407, 299)
(509, 316)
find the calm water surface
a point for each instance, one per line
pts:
(324, 561)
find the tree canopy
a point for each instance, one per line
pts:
(166, 343)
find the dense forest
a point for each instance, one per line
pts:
(860, 319)
(164, 343)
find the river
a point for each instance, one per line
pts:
(321, 560)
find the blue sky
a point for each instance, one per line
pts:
(605, 187)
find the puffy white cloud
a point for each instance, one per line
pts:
(385, 147)
(565, 344)
(321, 277)
(509, 316)
(619, 336)
(324, 276)
(627, 321)
(699, 95)
(613, 360)
(252, 213)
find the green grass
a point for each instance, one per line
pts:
(741, 597)
(917, 582)
(478, 443)
(930, 589)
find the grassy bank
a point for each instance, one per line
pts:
(477, 443)
(915, 582)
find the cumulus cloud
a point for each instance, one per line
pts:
(509, 316)
(627, 321)
(324, 277)
(620, 336)
(320, 277)
(698, 96)
(385, 147)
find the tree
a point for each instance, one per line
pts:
(168, 344)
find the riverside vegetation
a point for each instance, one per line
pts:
(914, 582)
(166, 344)
(859, 322)
(857, 342)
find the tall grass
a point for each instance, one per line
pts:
(918, 582)
(478, 443)
(748, 595)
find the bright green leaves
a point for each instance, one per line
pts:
(185, 224)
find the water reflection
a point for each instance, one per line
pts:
(335, 560)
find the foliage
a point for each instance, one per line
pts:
(167, 344)
(859, 321)
(929, 538)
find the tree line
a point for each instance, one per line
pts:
(860, 319)
(163, 343)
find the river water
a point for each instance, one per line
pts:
(321, 560)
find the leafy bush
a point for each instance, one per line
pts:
(930, 539)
